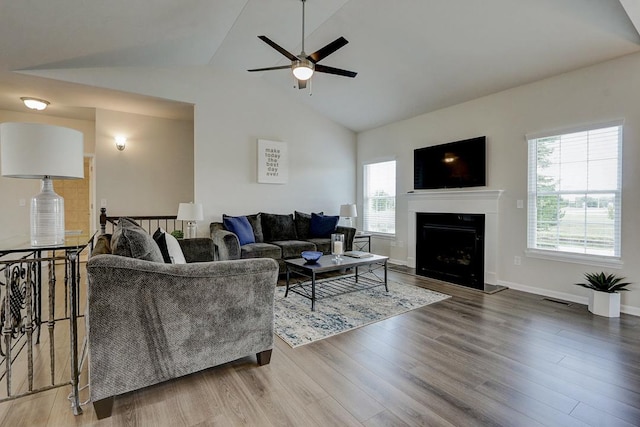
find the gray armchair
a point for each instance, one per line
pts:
(149, 322)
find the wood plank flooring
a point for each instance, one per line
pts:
(507, 359)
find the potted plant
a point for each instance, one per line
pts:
(178, 234)
(604, 299)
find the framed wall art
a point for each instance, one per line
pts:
(273, 162)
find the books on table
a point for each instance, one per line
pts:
(358, 254)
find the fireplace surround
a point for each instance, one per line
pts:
(485, 202)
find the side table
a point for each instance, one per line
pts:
(21, 280)
(362, 242)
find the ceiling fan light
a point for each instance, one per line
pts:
(302, 70)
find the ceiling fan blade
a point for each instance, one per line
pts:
(338, 71)
(277, 47)
(302, 84)
(327, 50)
(282, 67)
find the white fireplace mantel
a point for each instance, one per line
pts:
(459, 201)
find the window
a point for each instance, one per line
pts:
(575, 191)
(380, 197)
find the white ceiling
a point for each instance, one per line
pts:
(412, 56)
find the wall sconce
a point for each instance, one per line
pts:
(121, 142)
(35, 103)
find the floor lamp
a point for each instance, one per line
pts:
(46, 152)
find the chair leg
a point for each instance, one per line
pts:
(103, 407)
(264, 357)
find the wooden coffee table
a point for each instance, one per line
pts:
(336, 285)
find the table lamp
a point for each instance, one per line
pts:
(46, 152)
(349, 211)
(190, 212)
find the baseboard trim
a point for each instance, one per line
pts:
(397, 262)
(627, 309)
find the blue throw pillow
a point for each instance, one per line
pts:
(239, 225)
(323, 225)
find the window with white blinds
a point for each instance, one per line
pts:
(380, 197)
(575, 191)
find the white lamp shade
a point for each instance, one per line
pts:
(348, 211)
(34, 150)
(190, 212)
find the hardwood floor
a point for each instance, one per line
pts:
(507, 359)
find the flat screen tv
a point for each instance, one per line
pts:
(453, 165)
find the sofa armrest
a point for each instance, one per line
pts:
(200, 249)
(349, 235)
(162, 321)
(227, 244)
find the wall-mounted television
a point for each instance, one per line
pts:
(453, 165)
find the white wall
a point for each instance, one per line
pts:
(599, 93)
(153, 174)
(14, 219)
(233, 111)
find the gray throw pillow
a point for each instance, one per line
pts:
(256, 224)
(278, 227)
(131, 240)
(303, 224)
(103, 245)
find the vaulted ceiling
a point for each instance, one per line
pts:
(412, 56)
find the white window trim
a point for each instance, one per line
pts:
(578, 258)
(377, 234)
(584, 259)
(383, 236)
(573, 129)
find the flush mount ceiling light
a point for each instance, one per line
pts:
(303, 65)
(35, 103)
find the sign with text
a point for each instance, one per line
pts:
(273, 162)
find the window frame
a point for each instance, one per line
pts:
(365, 197)
(603, 260)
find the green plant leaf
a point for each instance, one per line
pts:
(602, 282)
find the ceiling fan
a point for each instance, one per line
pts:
(303, 65)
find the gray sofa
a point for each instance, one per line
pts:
(150, 321)
(277, 237)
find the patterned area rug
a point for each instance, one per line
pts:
(297, 325)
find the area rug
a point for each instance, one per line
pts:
(297, 325)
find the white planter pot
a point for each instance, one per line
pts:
(604, 303)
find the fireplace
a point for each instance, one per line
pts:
(450, 247)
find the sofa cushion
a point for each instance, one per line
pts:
(293, 248)
(260, 250)
(303, 224)
(239, 225)
(278, 227)
(323, 244)
(131, 240)
(169, 247)
(322, 225)
(256, 224)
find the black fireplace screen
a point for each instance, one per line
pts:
(450, 247)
